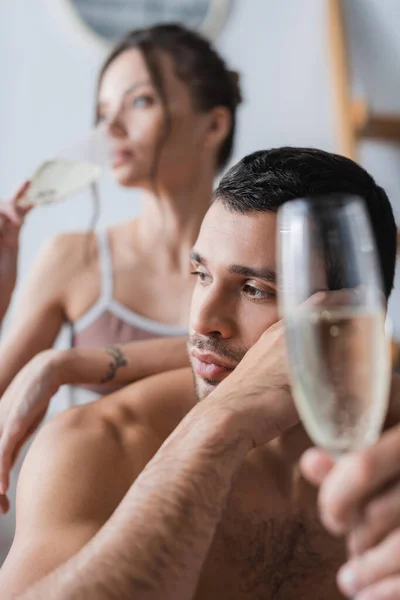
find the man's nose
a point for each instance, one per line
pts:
(213, 314)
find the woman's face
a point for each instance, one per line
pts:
(131, 108)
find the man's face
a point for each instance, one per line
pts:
(235, 298)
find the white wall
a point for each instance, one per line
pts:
(48, 73)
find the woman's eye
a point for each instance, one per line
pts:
(101, 119)
(142, 101)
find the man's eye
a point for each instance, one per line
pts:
(255, 293)
(203, 277)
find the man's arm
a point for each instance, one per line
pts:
(155, 543)
(79, 468)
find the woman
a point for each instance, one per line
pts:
(168, 103)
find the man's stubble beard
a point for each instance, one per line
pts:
(197, 385)
(218, 347)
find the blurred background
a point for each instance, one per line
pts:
(51, 51)
(292, 64)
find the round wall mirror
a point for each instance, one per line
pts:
(108, 20)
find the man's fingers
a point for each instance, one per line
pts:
(388, 589)
(380, 517)
(315, 465)
(355, 479)
(373, 566)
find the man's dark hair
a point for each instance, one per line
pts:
(264, 180)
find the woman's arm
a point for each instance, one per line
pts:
(40, 312)
(37, 321)
(26, 400)
(115, 365)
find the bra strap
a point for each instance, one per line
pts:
(105, 264)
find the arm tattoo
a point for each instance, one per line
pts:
(118, 361)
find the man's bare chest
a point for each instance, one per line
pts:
(272, 552)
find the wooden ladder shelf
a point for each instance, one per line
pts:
(355, 120)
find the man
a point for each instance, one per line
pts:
(220, 510)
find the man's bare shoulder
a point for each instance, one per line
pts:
(99, 449)
(81, 465)
(73, 478)
(107, 443)
(158, 403)
(76, 469)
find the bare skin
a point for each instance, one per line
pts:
(240, 520)
(269, 543)
(149, 255)
(151, 250)
(11, 220)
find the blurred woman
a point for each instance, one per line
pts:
(168, 103)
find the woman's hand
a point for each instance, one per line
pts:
(11, 220)
(22, 408)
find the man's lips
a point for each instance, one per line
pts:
(210, 366)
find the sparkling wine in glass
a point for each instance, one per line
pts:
(333, 305)
(70, 171)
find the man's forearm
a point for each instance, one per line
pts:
(121, 364)
(155, 543)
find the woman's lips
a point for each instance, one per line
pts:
(210, 367)
(121, 157)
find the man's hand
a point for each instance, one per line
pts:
(258, 390)
(360, 498)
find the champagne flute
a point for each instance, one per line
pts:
(333, 306)
(71, 170)
(77, 166)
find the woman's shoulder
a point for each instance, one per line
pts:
(61, 259)
(64, 243)
(78, 251)
(69, 248)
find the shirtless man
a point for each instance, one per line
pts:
(220, 510)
